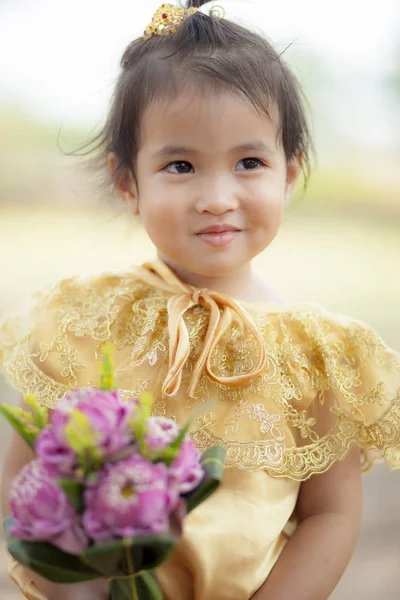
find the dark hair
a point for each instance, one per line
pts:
(204, 48)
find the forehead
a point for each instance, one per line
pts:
(209, 118)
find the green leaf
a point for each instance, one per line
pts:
(82, 438)
(40, 413)
(22, 422)
(213, 464)
(149, 579)
(106, 558)
(47, 560)
(74, 492)
(142, 587)
(130, 555)
(123, 589)
(139, 421)
(107, 378)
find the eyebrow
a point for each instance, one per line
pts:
(172, 150)
(256, 145)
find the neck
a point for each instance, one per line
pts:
(240, 284)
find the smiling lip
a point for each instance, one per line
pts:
(219, 235)
(218, 229)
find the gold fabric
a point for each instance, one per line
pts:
(22, 578)
(287, 389)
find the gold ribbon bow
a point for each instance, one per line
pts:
(184, 297)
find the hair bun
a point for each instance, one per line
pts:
(195, 3)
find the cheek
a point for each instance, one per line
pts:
(266, 212)
(161, 217)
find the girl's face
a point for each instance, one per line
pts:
(209, 162)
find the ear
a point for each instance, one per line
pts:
(126, 190)
(293, 174)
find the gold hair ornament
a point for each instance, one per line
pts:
(168, 17)
(217, 11)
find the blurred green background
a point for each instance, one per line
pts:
(339, 245)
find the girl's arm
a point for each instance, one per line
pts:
(19, 454)
(316, 556)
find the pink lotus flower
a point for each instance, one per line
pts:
(186, 469)
(129, 499)
(108, 416)
(42, 511)
(161, 432)
(52, 448)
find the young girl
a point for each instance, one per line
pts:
(205, 140)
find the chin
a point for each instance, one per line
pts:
(215, 267)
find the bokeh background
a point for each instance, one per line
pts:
(339, 245)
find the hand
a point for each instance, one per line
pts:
(90, 590)
(256, 595)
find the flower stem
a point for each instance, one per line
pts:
(134, 590)
(131, 569)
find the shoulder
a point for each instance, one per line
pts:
(323, 337)
(89, 291)
(52, 343)
(349, 353)
(84, 304)
(87, 304)
(103, 284)
(352, 330)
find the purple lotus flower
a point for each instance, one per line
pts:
(108, 416)
(186, 469)
(42, 511)
(53, 450)
(129, 499)
(161, 432)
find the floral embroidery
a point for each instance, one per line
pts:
(267, 421)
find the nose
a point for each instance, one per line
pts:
(217, 196)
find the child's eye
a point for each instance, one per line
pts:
(249, 164)
(179, 166)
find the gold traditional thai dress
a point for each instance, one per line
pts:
(287, 389)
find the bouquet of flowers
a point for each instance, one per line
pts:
(108, 490)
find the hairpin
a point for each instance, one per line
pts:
(167, 19)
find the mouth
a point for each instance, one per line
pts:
(216, 229)
(219, 235)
